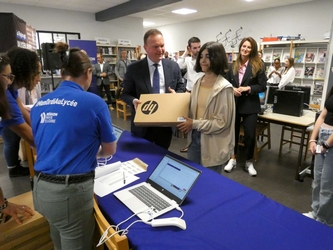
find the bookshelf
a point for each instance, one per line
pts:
(310, 62)
(131, 52)
(231, 56)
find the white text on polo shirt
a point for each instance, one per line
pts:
(48, 117)
(57, 101)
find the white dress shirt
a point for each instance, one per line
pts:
(160, 71)
(287, 77)
(192, 75)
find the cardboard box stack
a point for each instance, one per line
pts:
(33, 233)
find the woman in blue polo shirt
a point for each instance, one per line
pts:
(70, 127)
(6, 78)
(26, 68)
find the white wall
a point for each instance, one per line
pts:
(73, 21)
(311, 20)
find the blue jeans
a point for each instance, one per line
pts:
(322, 185)
(194, 151)
(69, 211)
(11, 147)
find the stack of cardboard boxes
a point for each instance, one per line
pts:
(33, 233)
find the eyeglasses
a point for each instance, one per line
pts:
(10, 77)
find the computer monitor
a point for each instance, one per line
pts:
(305, 89)
(270, 94)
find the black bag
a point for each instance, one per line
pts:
(119, 92)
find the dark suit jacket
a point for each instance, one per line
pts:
(97, 72)
(137, 82)
(248, 103)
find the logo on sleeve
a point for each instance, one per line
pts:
(48, 117)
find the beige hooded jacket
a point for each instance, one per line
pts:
(217, 126)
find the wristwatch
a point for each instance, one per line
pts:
(325, 145)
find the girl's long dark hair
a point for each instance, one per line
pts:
(4, 107)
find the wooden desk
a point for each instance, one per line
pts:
(301, 123)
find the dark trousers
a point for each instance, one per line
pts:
(107, 92)
(160, 136)
(249, 122)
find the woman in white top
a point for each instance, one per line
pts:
(275, 71)
(288, 74)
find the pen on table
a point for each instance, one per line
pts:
(124, 178)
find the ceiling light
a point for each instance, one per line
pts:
(184, 11)
(147, 24)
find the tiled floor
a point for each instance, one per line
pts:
(275, 177)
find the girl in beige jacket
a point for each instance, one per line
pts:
(211, 120)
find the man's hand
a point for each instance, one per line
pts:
(172, 91)
(103, 74)
(136, 102)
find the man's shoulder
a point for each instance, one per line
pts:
(170, 63)
(138, 64)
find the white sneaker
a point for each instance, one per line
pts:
(249, 168)
(309, 215)
(230, 166)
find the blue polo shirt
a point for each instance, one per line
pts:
(14, 110)
(69, 125)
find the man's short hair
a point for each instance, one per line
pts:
(193, 40)
(151, 32)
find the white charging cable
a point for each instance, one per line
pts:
(104, 237)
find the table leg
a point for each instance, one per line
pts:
(300, 153)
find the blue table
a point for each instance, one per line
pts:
(219, 213)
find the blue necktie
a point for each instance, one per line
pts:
(156, 80)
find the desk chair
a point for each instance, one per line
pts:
(121, 107)
(31, 157)
(294, 138)
(263, 130)
(116, 242)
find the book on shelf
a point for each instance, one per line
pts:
(229, 57)
(318, 88)
(319, 73)
(111, 60)
(267, 57)
(105, 50)
(308, 73)
(322, 56)
(298, 71)
(299, 56)
(310, 57)
(276, 56)
(285, 56)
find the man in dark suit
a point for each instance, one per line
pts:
(102, 70)
(139, 79)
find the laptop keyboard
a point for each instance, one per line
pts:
(149, 198)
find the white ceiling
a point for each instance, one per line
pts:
(162, 15)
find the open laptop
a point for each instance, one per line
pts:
(117, 131)
(171, 181)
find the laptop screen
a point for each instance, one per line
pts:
(174, 176)
(117, 131)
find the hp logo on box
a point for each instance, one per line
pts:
(149, 107)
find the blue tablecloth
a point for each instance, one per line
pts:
(219, 213)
